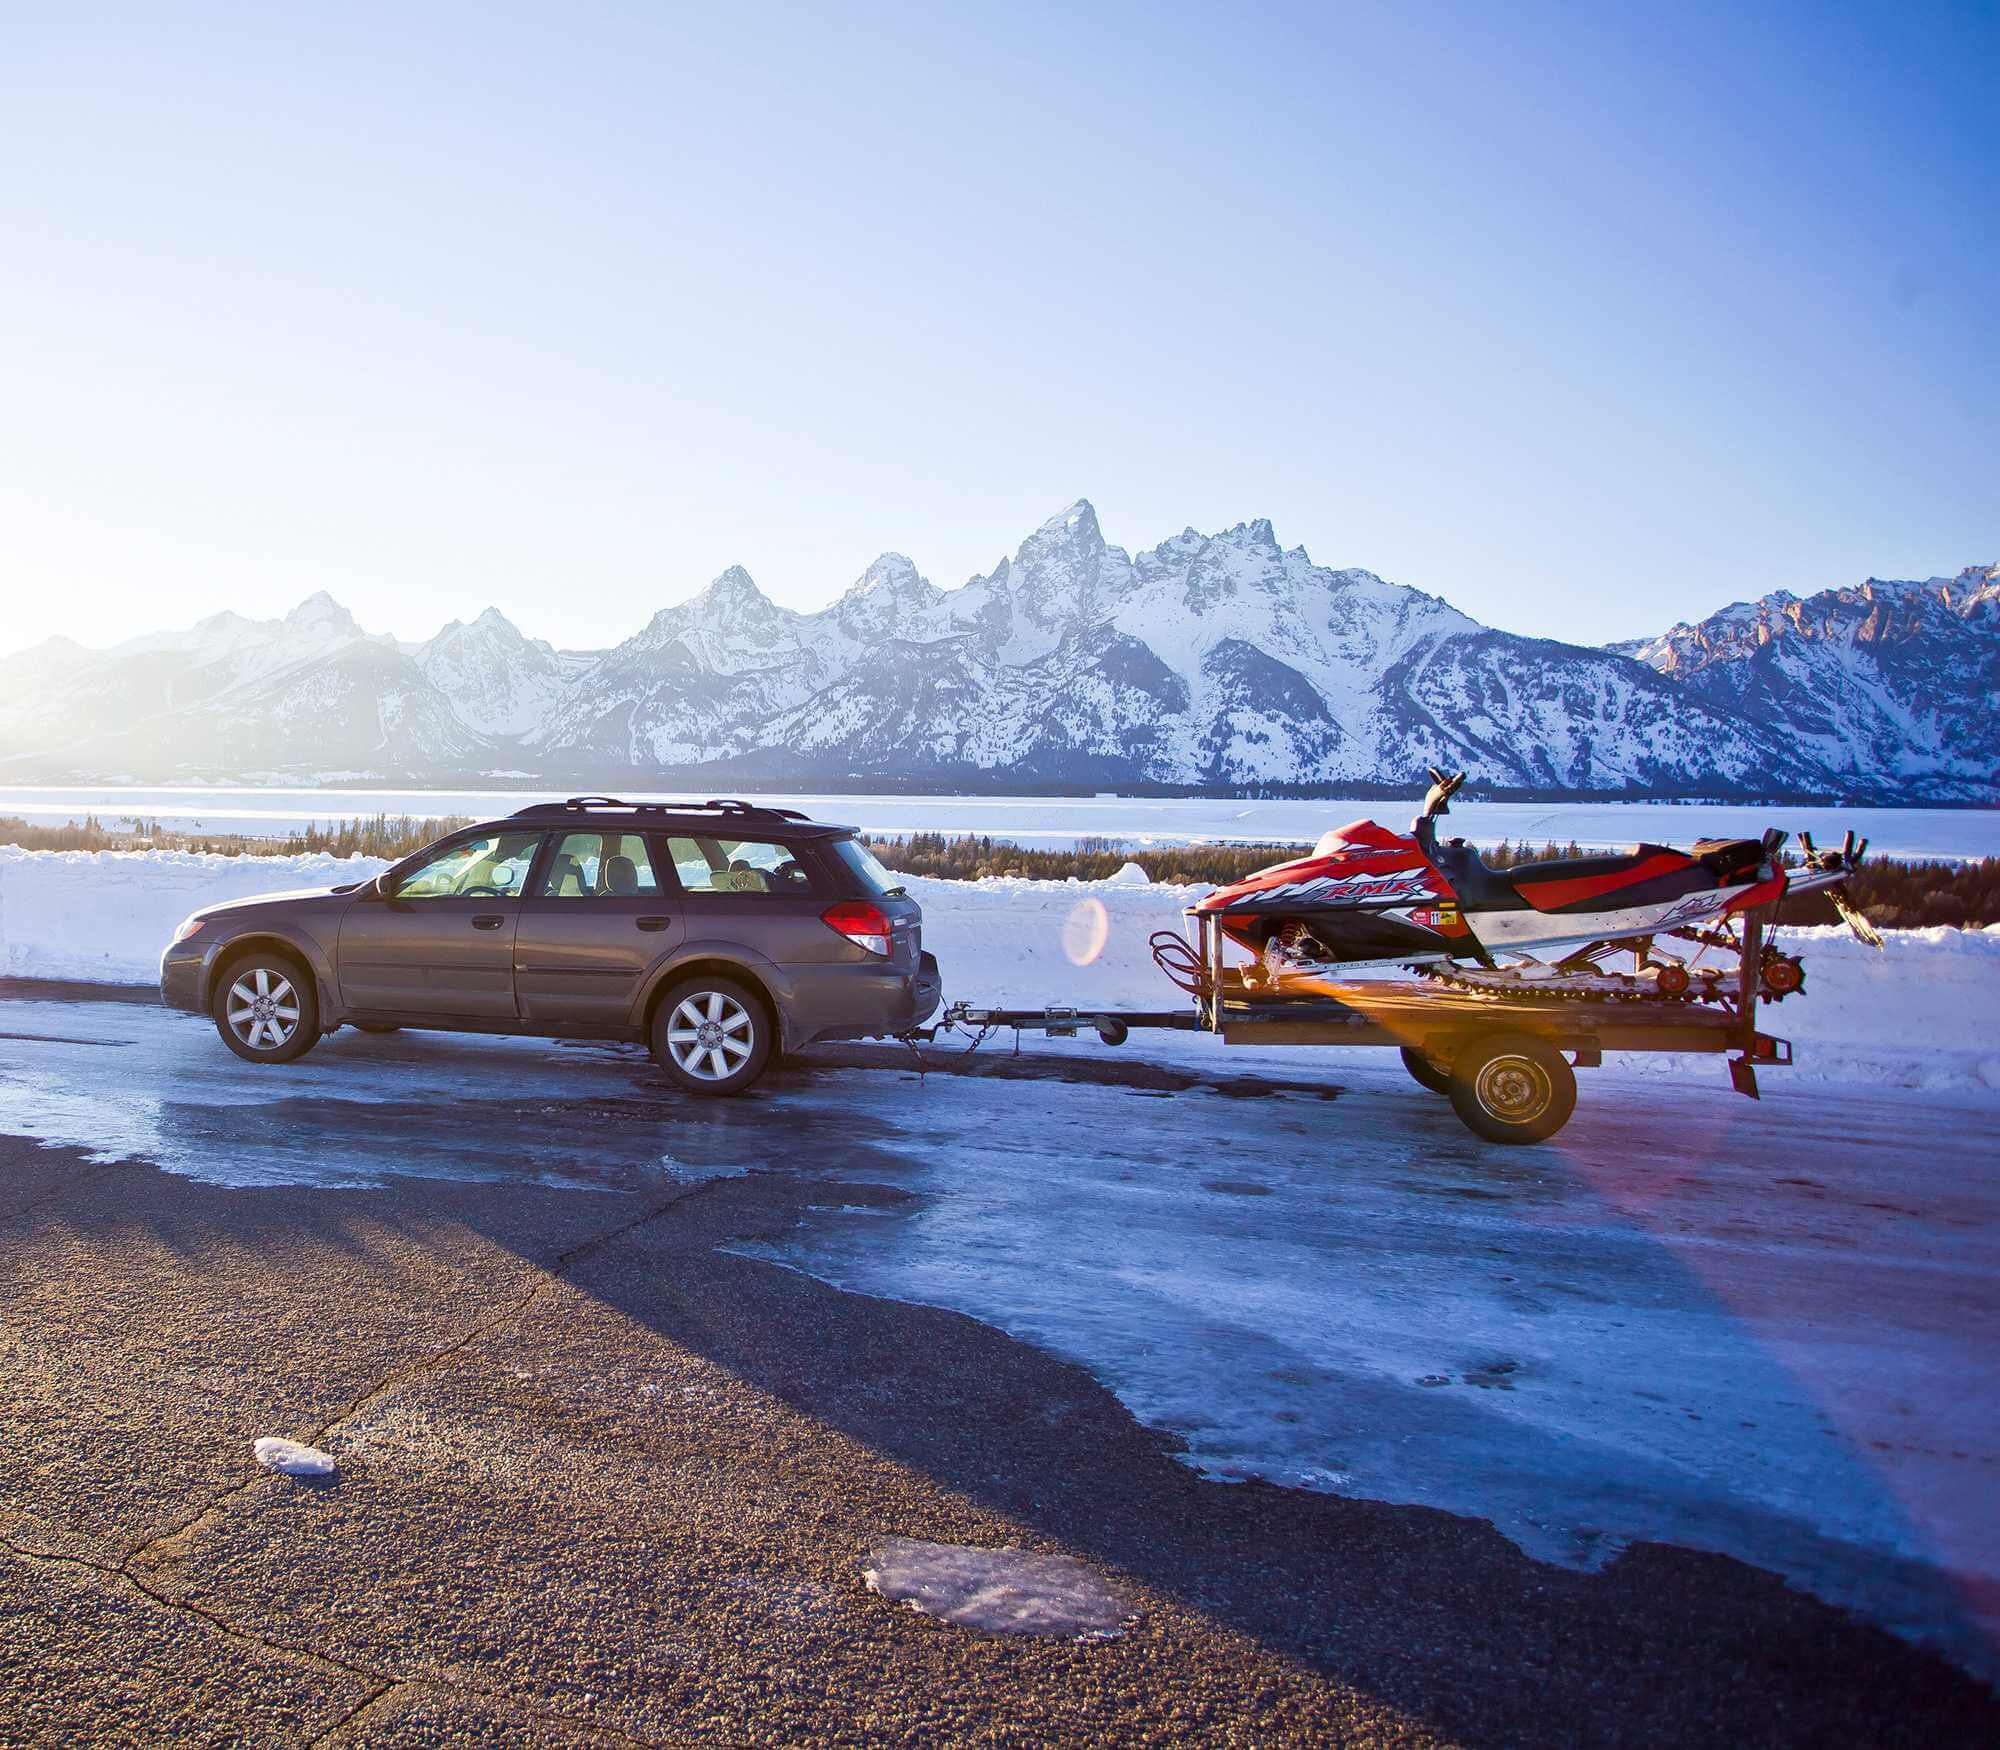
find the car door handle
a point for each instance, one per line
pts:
(490, 920)
(656, 923)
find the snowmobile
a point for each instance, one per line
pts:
(1367, 897)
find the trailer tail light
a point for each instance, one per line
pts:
(865, 925)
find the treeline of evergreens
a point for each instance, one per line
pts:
(380, 835)
(969, 858)
(1911, 896)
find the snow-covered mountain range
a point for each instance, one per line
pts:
(1882, 678)
(1211, 661)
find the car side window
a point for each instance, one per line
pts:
(598, 865)
(738, 866)
(492, 866)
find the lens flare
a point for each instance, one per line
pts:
(1085, 931)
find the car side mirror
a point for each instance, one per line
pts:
(378, 888)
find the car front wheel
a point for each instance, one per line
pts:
(712, 1035)
(265, 1009)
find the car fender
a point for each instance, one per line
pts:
(755, 968)
(293, 940)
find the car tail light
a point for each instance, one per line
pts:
(865, 925)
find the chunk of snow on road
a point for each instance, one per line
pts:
(289, 1458)
(998, 1591)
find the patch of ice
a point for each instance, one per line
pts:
(289, 1458)
(997, 1591)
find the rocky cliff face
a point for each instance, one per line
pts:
(1885, 683)
(1221, 660)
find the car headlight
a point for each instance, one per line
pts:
(188, 928)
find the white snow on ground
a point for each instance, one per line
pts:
(106, 915)
(288, 1458)
(1922, 1013)
(999, 1591)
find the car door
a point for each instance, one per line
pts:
(596, 922)
(439, 946)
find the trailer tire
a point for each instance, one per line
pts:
(1512, 1087)
(1425, 1073)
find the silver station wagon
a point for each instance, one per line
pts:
(717, 933)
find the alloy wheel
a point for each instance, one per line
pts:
(710, 1034)
(263, 1009)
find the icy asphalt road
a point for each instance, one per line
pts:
(1762, 1330)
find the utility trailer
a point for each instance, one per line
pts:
(1507, 1063)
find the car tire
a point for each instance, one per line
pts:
(1513, 1087)
(265, 1008)
(712, 1035)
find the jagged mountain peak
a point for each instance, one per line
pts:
(1255, 533)
(319, 612)
(1076, 521)
(892, 572)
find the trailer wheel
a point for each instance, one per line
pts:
(1512, 1087)
(1425, 1073)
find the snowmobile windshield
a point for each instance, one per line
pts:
(868, 866)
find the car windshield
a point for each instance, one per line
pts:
(489, 866)
(859, 858)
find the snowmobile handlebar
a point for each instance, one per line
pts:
(1438, 799)
(1820, 862)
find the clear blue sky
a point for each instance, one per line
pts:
(1585, 317)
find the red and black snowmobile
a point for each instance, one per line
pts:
(1368, 897)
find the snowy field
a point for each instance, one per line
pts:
(1055, 822)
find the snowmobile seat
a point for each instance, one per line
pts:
(1479, 886)
(1731, 860)
(1567, 869)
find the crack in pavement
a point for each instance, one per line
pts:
(378, 1693)
(163, 1547)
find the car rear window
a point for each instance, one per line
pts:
(863, 862)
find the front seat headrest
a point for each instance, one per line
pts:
(621, 875)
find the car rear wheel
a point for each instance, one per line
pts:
(712, 1035)
(265, 1009)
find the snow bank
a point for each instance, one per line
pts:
(105, 915)
(1922, 1013)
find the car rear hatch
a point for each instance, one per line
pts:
(883, 888)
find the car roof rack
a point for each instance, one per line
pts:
(722, 805)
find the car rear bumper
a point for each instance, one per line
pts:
(877, 1006)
